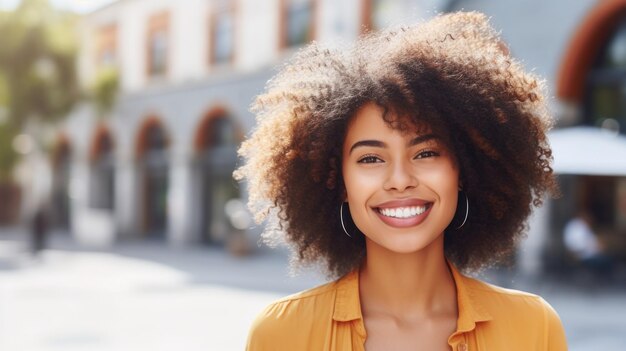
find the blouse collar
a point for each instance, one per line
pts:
(471, 311)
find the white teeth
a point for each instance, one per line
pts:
(402, 212)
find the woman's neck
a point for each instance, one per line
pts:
(411, 285)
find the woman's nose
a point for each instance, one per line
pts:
(400, 177)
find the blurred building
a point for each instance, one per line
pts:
(159, 164)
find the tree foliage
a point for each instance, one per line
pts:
(8, 157)
(37, 55)
(105, 90)
(38, 81)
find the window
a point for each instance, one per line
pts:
(221, 132)
(106, 50)
(222, 33)
(217, 140)
(158, 44)
(102, 182)
(298, 22)
(61, 168)
(605, 100)
(152, 148)
(156, 141)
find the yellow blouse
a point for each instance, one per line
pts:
(328, 318)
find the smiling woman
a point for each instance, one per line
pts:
(402, 189)
(416, 153)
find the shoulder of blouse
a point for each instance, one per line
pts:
(292, 319)
(493, 298)
(520, 310)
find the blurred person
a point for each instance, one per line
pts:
(581, 241)
(39, 229)
(398, 164)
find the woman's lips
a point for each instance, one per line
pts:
(409, 214)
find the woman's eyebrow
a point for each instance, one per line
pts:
(422, 138)
(377, 143)
(374, 143)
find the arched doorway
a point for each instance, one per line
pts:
(586, 49)
(215, 143)
(604, 106)
(102, 170)
(60, 195)
(153, 171)
(592, 79)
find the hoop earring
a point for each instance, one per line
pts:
(466, 209)
(341, 218)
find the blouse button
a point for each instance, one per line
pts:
(462, 347)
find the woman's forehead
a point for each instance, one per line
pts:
(373, 117)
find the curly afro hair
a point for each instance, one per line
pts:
(453, 74)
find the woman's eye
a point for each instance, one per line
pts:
(369, 159)
(426, 154)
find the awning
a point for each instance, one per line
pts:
(588, 151)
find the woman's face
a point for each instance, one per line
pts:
(402, 188)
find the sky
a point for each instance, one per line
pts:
(78, 6)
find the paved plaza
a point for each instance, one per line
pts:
(148, 296)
